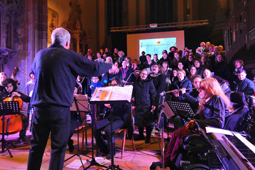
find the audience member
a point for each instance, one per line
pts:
(142, 58)
(243, 84)
(155, 58)
(149, 63)
(200, 69)
(221, 68)
(192, 73)
(125, 72)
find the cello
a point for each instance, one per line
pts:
(13, 122)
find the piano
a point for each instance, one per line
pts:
(233, 150)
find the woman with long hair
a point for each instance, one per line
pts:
(214, 106)
(192, 73)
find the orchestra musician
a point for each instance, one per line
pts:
(214, 106)
(56, 69)
(11, 90)
(192, 98)
(119, 114)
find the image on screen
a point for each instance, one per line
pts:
(156, 45)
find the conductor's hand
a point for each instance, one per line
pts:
(183, 90)
(153, 107)
(190, 124)
(133, 107)
(16, 94)
(107, 105)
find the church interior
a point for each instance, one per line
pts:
(26, 27)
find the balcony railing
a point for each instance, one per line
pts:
(240, 28)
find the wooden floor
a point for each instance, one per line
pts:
(139, 159)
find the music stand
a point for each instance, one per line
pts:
(7, 108)
(112, 95)
(79, 104)
(181, 109)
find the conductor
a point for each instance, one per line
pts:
(55, 69)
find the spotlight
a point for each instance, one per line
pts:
(154, 25)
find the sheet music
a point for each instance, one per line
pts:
(102, 93)
(113, 93)
(121, 94)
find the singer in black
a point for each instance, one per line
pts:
(144, 95)
(119, 114)
(55, 69)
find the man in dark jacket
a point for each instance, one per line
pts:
(55, 69)
(242, 84)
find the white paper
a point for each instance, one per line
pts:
(99, 90)
(76, 164)
(217, 130)
(102, 161)
(113, 93)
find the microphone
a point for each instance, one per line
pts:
(162, 93)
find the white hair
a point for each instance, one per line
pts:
(109, 58)
(60, 36)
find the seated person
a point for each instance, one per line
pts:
(239, 64)
(224, 84)
(192, 98)
(243, 84)
(95, 83)
(119, 114)
(107, 77)
(10, 90)
(214, 106)
(183, 82)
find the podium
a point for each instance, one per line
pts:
(110, 95)
(7, 108)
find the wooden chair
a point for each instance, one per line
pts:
(124, 141)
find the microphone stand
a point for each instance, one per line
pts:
(161, 115)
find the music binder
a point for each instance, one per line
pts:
(112, 94)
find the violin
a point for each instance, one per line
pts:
(13, 122)
(14, 73)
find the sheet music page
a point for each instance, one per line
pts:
(122, 93)
(102, 93)
(113, 93)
